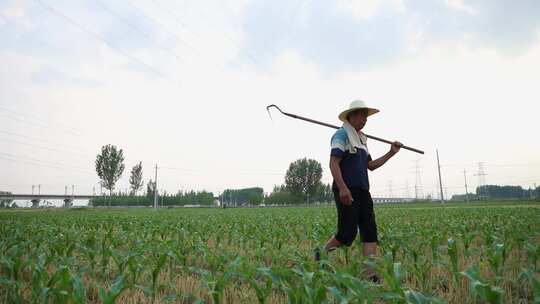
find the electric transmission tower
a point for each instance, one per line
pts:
(482, 177)
(466, 190)
(407, 194)
(418, 191)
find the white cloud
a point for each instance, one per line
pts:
(363, 9)
(459, 5)
(14, 8)
(366, 9)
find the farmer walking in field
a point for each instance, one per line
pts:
(349, 161)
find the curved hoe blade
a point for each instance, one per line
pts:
(272, 106)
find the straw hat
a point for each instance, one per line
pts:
(356, 105)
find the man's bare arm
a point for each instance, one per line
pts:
(344, 193)
(374, 164)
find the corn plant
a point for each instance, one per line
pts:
(496, 257)
(529, 275)
(453, 254)
(109, 296)
(480, 289)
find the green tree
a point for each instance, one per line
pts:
(252, 196)
(110, 166)
(5, 203)
(280, 196)
(502, 192)
(150, 190)
(303, 178)
(136, 178)
(324, 193)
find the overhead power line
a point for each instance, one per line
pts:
(139, 30)
(185, 26)
(98, 37)
(177, 36)
(44, 148)
(44, 123)
(40, 163)
(174, 34)
(35, 138)
(36, 124)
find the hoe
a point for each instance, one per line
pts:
(335, 127)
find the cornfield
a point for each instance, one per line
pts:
(428, 253)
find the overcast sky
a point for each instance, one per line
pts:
(185, 84)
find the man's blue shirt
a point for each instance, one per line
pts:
(353, 165)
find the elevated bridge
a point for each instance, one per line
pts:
(389, 200)
(37, 198)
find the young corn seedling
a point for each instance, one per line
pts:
(59, 287)
(308, 291)
(110, 296)
(421, 267)
(453, 254)
(216, 283)
(160, 260)
(533, 253)
(350, 289)
(13, 264)
(79, 291)
(105, 256)
(413, 297)
(480, 289)
(134, 266)
(534, 282)
(393, 274)
(496, 257)
(261, 284)
(39, 277)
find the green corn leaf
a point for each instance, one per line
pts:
(79, 291)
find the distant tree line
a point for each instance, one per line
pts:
(241, 197)
(179, 199)
(500, 192)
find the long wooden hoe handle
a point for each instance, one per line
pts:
(336, 127)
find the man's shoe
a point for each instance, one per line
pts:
(317, 254)
(375, 279)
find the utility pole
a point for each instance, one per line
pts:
(72, 190)
(418, 191)
(155, 190)
(466, 190)
(39, 189)
(307, 183)
(162, 195)
(440, 179)
(33, 189)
